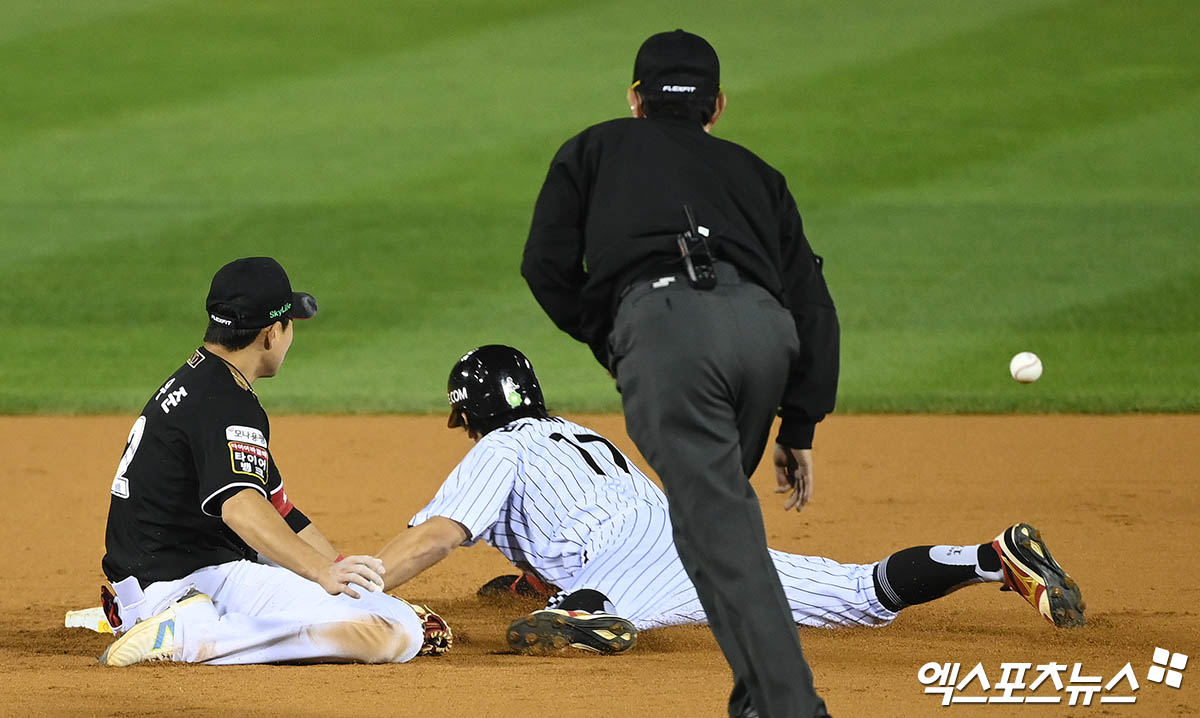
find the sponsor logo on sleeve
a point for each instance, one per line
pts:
(249, 459)
(172, 399)
(246, 434)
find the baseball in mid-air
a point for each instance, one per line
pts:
(1025, 367)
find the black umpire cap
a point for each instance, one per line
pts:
(254, 292)
(677, 62)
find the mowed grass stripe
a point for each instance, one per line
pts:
(163, 55)
(1142, 160)
(939, 284)
(932, 312)
(22, 18)
(980, 96)
(291, 139)
(950, 267)
(289, 144)
(360, 126)
(383, 341)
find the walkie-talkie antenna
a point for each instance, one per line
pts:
(699, 266)
(687, 211)
(694, 231)
(683, 239)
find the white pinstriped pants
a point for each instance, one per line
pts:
(632, 560)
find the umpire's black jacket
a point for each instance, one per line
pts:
(612, 207)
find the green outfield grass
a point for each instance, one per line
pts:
(982, 178)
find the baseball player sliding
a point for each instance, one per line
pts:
(197, 500)
(568, 508)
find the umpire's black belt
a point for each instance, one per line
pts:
(726, 274)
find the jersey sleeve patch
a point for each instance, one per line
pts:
(246, 435)
(249, 460)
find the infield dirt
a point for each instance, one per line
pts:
(1116, 498)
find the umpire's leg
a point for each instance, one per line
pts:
(686, 357)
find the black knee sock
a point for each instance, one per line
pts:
(923, 573)
(586, 599)
(989, 561)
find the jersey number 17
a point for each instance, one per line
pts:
(617, 457)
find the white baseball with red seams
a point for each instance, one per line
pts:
(1025, 367)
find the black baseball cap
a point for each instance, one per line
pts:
(677, 62)
(254, 292)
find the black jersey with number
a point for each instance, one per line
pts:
(201, 438)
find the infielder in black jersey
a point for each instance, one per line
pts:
(210, 561)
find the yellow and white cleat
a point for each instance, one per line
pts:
(1032, 572)
(150, 640)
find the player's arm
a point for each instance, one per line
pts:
(259, 524)
(466, 506)
(298, 522)
(294, 517)
(418, 548)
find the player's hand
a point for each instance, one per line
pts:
(343, 576)
(794, 473)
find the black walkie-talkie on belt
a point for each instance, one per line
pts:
(697, 258)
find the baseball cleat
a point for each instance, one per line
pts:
(1031, 571)
(553, 630)
(525, 585)
(150, 640)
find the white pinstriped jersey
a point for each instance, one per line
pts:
(541, 491)
(562, 502)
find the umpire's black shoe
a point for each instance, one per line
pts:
(552, 631)
(1032, 572)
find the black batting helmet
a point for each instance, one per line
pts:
(493, 385)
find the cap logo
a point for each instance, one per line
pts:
(219, 320)
(678, 88)
(281, 311)
(458, 395)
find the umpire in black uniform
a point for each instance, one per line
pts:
(680, 258)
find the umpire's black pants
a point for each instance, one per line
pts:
(701, 374)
